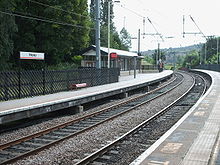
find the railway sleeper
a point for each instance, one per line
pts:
(88, 122)
(60, 133)
(72, 128)
(64, 130)
(98, 163)
(24, 148)
(12, 150)
(32, 145)
(113, 152)
(100, 118)
(41, 141)
(95, 120)
(8, 154)
(79, 128)
(50, 137)
(103, 115)
(1, 159)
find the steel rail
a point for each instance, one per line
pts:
(205, 83)
(17, 141)
(7, 145)
(104, 149)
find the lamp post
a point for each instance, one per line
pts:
(109, 18)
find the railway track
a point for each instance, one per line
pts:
(129, 146)
(28, 145)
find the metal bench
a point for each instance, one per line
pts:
(76, 86)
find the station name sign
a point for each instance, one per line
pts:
(31, 56)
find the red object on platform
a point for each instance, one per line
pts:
(114, 55)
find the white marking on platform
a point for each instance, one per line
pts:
(158, 163)
(199, 113)
(171, 147)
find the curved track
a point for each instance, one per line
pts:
(31, 144)
(144, 135)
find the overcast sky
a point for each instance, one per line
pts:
(167, 16)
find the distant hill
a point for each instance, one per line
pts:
(180, 51)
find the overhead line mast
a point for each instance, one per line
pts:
(200, 31)
(197, 26)
(183, 26)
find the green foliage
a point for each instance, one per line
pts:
(63, 36)
(115, 40)
(213, 59)
(210, 57)
(63, 66)
(161, 55)
(191, 59)
(125, 39)
(77, 60)
(180, 60)
(118, 41)
(149, 59)
(7, 31)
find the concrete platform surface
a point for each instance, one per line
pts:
(194, 139)
(48, 103)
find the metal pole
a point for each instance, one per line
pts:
(98, 54)
(200, 58)
(158, 53)
(139, 48)
(139, 41)
(183, 26)
(109, 34)
(135, 65)
(135, 58)
(205, 52)
(19, 79)
(217, 50)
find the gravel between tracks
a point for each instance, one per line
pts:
(9, 136)
(69, 151)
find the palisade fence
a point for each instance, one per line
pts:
(15, 84)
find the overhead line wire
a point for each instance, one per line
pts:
(56, 8)
(155, 29)
(132, 11)
(43, 20)
(197, 26)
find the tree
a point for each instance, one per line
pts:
(115, 40)
(7, 30)
(61, 29)
(155, 57)
(211, 50)
(125, 39)
(191, 59)
(149, 59)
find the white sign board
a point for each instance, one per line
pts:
(31, 56)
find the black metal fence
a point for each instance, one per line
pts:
(15, 84)
(213, 67)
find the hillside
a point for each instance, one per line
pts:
(178, 52)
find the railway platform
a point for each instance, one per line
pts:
(29, 107)
(193, 140)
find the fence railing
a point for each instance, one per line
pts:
(213, 67)
(15, 84)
